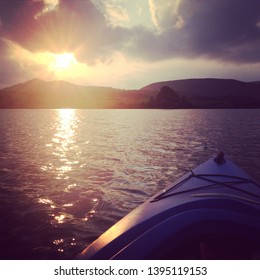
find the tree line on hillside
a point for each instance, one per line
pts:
(167, 98)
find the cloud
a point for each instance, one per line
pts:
(164, 14)
(49, 6)
(216, 29)
(115, 13)
(11, 69)
(17, 19)
(72, 25)
(228, 30)
(219, 29)
(225, 29)
(68, 26)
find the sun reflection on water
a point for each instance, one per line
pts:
(60, 218)
(63, 150)
(64, 141)
(65, 129)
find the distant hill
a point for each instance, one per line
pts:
(219, 93)
(193, 93)
(207, 88)
(37, 93)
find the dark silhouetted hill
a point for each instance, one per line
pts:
(37, 93)
(192, 93)
(213, 93)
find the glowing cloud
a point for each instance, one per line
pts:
(49, 6)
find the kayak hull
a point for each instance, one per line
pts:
(214, 200)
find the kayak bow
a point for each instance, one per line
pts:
(212, 212)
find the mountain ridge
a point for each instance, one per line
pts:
(198, 93)
(202, 87)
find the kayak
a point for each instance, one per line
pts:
(212, 212)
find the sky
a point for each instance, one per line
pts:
(128, 43)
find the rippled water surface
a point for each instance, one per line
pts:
(68, 175)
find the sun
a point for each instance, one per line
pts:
(63, 62)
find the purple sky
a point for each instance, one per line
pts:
(128, 44)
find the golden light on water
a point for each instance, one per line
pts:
(73, 242)
(60, 219)
(64, 141)
(66, 129)
(45, 201)
(68, 205)
(58, 241)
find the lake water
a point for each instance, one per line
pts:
(68, 175)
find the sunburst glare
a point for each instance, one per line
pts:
(63, 61)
